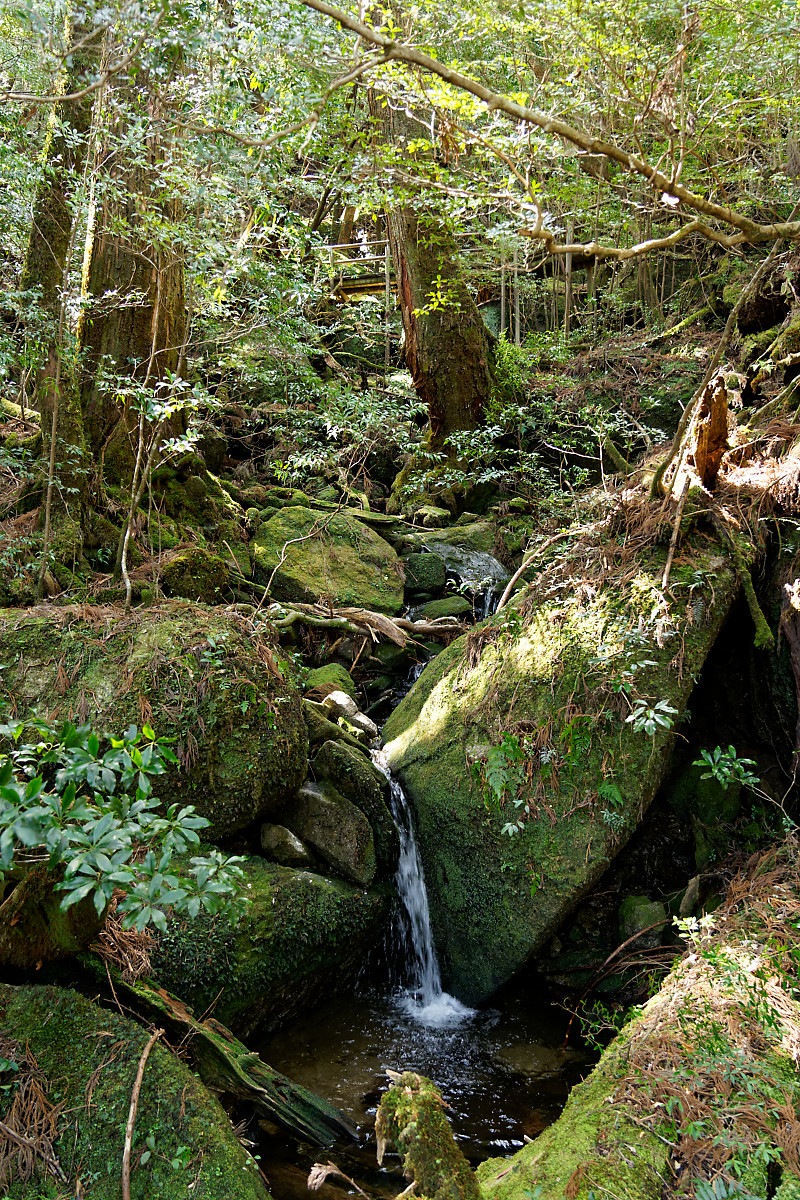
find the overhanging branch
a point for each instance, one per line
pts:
(750, 230)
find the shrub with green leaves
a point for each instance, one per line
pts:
(89, 814)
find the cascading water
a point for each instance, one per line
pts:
(423, 998)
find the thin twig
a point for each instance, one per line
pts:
(675, 531)
(137, 1087)
(27, 1144)
(526, 562)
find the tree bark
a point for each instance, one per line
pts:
(133, 320)
(447, 346)
(46, 263)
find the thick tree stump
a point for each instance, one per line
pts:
(710, 431)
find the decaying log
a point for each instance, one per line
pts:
(657, 484)
(411, 1117)
(226, 1065)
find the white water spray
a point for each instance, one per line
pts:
(423, 998)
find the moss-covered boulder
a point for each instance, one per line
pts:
(521, 755)
(86, 1060)
(196, 574)
(300, 939)
(448, 606)
(331, 677)
(33, 926)
(475, 567)
(352, 774)
(475, 535)
(335, 829)
(321, 729)
(282, 846)
(205, 679)
(702, 1083)
(425, 573)
(327, 555)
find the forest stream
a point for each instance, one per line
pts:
(399, 601)
(504, 1071)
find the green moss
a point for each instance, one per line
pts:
(89, 1057)
(357, 779)
(425, 573)
(332, 677)
(411, 1115)
(298, 940)
(194, 675)
(327, 555)
(448, 606)
(195, 574)
(506, 895)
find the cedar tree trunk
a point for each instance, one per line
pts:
(133, 321)
(447, 346)
(47, 260)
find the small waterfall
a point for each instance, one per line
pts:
(423, 997)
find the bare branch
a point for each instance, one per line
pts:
(596, 250)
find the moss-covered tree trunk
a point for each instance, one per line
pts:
(447, 346)
(133, 321)
(411, 1117)
(47, 260)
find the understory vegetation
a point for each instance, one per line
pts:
(429, 374)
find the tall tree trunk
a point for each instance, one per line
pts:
(133, 320)
(47, 261)
(447, 346)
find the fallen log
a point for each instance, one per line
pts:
(226, 1065)
(361, 621)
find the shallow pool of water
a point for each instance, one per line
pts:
(502, 1071)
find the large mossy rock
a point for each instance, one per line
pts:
(338, 558)
(666, 1104)
(87, 1059)
(548, 676)
(298, 941)
(203, 678)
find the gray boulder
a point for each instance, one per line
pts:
(282, 846)
(335, 829)
(354, 776)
